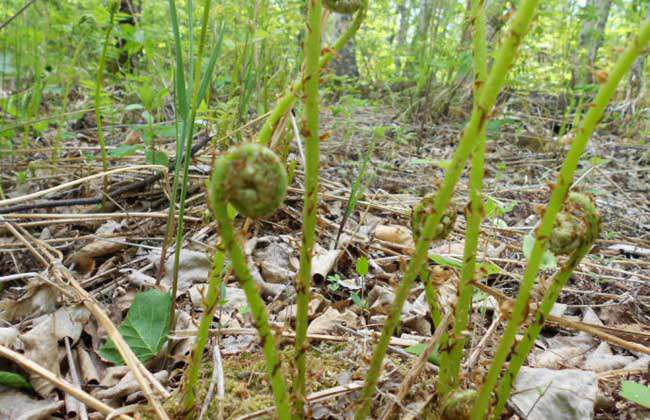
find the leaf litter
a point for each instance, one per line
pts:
(117, 261)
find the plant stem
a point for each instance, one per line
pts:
(289, 98)
(211, 304)
(260, 315)
(314, 34)
(560, 191)
(467, 143)
(99, 82)
(592, 222)
(450, 358)
(187, 134)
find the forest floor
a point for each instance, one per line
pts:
(601, 326)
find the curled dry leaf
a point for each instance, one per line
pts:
(9, 337)
(41, 346)
(84, 259)
(566, 394)
(323, 262)
(273, 259)
(40, 298)
(128, 385)
(16, 405)
(327, 323)
(395, 234)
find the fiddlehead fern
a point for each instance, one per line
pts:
(419, 214)
(345, 7)
(254, 181)
(425, 208)
(574, 235)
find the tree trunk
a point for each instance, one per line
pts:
(591, 39)
(404, 10)
(346, 62)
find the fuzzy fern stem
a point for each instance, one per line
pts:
(560, 192)
(251, 178)
(211, 304)
(287, 101)
(586, 234)
(450, 358)
(467, 143)
(314, 34)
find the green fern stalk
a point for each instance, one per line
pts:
(586, 239)
(210, 307)
(254, 181)
(99, 83)
(287, 101)
(450, 358)
(314, 34)
(467, 143)
(560, 191)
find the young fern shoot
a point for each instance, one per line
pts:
(288, 100)
(574, 235)
(211, 304)
(478, 119)
(545, 229)
(452, 354)
(314, 35)
(253, 179)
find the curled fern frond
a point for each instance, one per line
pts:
(458, 405)
(345, 7)
(423, 209)
(252, 178)
(575, 226)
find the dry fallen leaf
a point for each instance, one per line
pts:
(327, 323)
(396, 234)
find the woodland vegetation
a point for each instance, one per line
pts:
(324, 209)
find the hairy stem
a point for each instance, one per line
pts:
(209, 309)
(286, 102)
(467, 143)
(592, 230)
(558, 196)
(218, 203)
(312, 160)
(450, 358)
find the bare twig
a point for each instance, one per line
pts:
(63, 385)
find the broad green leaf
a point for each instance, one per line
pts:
(124, 150)
(145, 328)
(548, 259)
(446, 261)
(635, 392)
(362, 266)
(156, 157)
(418, 349)
(14, 380)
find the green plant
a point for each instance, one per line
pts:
(451, 358)
(213, 298)
(560, 191)
(583, 231)
(244, 176)
(636, 392)
(489, 92)
(99, 83)
(145, 328)
(188, 106)
(313, 37)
